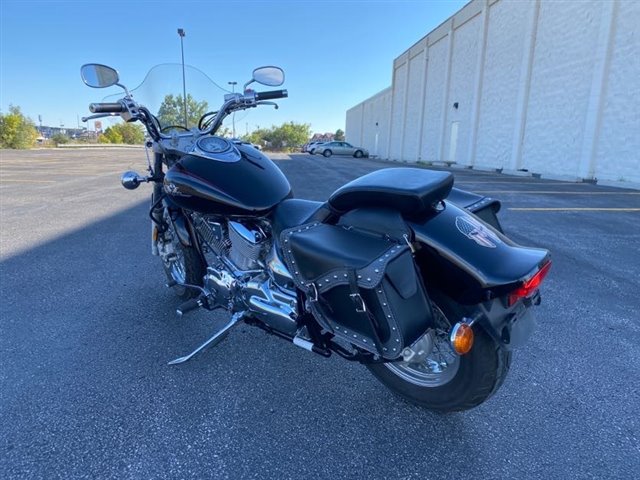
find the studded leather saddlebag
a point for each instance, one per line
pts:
(362, 287)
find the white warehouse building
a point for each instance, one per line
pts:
(543, 86)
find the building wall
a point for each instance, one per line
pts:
(368, 123)
(354, 131)
(501, 75)
(618, 143)
(544, 86)
(434, 100)
(560, 86)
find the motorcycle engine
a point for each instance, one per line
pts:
(244, 271)
(242, 245)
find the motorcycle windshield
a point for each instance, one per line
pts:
(162, 89)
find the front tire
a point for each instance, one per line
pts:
(358, 154)
(186, 267)
(447, 382)
(327, 153)
(182, 264)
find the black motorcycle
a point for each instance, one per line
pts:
(397, 270)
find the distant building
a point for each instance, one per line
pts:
(322, 137)
(48, 132)
(541, 86)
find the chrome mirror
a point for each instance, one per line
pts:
(270, 76)
(99, 76)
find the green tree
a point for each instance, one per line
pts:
(339, 136)
(59, 138)
(128, 133)
(171, 112)
(287, 136)
(111, 135)
(132, 133)
(257, 136)
(16, 130)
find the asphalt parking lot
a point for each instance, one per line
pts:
(86, 329)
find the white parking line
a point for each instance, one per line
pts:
(551, 192)
(572, 209)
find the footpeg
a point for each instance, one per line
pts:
(189, 305)
(214, 340)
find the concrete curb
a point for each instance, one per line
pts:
(98, 146)
(517, 173)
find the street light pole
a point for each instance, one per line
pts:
(184, 85)
(233, 116)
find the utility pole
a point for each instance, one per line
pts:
(184, 84)
(233, 116)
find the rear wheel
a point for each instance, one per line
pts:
(327, 153)
(446, 381)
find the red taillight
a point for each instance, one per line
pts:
(529, 286)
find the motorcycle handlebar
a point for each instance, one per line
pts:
(271, 95)
(106, 107)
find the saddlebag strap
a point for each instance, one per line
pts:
(318, 306)
(361, 307)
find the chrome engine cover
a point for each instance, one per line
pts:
(246, 246)
(220, 284)
(274, 306)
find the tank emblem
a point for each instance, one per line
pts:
(476, 231)
(172, 189)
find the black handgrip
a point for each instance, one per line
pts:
(106, 107)
(271, 95)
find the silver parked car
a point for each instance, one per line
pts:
(340, 148)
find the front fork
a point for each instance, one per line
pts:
(157, 211)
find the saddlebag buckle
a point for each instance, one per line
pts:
(357, 300)
(312, 292)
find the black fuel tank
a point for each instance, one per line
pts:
(222, 178)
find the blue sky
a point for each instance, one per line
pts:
(335, 54)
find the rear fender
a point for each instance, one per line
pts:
(484, 207)
(470, 260)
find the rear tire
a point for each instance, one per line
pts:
(467, 380)
(327, 153)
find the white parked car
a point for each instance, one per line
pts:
(312, 147)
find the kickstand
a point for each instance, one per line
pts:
(214, 340)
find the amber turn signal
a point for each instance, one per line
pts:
(461, 338)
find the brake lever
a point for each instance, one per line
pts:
(98, 115)
(263, 102)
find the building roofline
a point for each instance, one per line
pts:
(375, 95)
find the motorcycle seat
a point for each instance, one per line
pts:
(293, 212)
(411, 191)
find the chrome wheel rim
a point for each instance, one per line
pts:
(174, 263)
(177, 267)
(440, 367)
